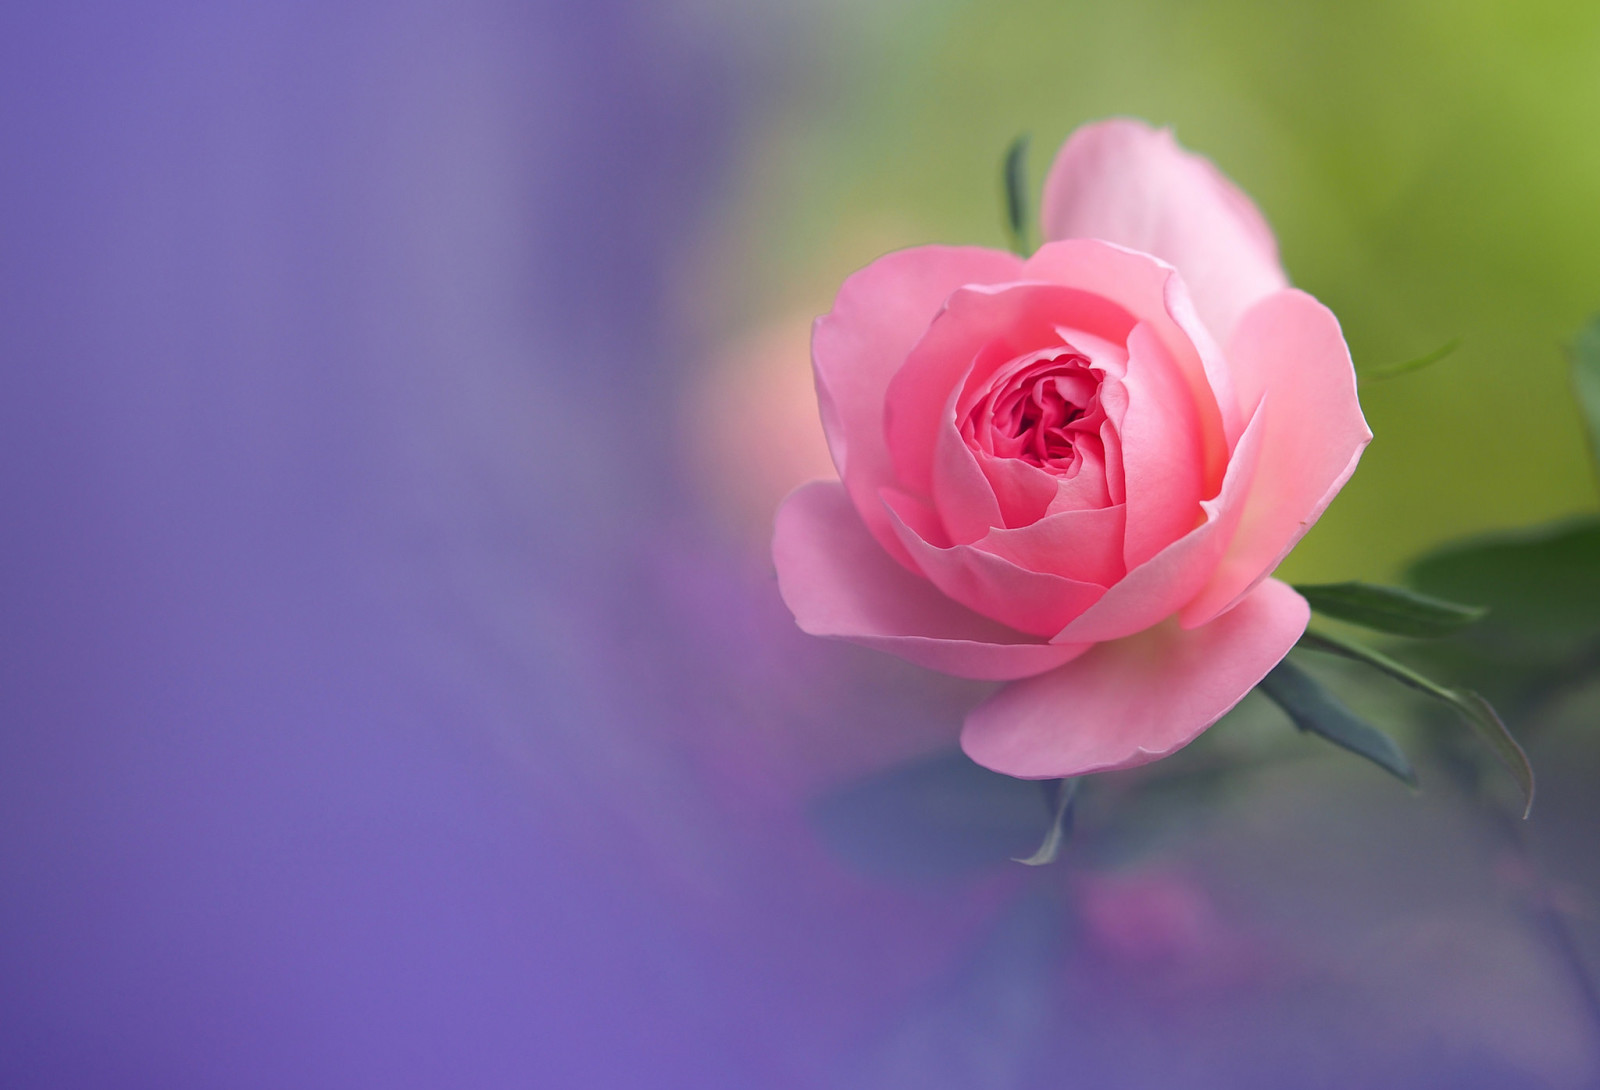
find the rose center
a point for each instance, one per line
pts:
(1037, 409)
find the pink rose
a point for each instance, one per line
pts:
(1078, 469)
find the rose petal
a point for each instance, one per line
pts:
(962, 493)
(1116, 400)
(837, 581)
(919, 515)
(1000, 323)
(1127, 183)
(1022, 490)
(1134, 700)
(1289, 351)
(856, 348)
(1162, 452)
(1167, 581)
(1153, 292)
(1099, 480)
(1084, 545)
(1030, 601)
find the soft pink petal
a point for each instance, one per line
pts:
(1289, 353)
(1084, 545)
(1116, 400)
(1162, 585)
(1163, 455)
(1153, 292)
(962, 492)
(839, 582)
(856, 348)
(1000, 323)
(918, 514)
(1127, 183)
(1134, 700)
(1030, 601)
(1098, 482)
(1023, 491)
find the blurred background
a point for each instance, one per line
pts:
(394, 689)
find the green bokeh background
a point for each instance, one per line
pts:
(1432, 170)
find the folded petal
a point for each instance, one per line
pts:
(1289, 354)
(1125, 182)
(1024, 492)
(962, 493)
(1035, 602)
(1164, 584)
(980, 327)
(1153, 291)
(1131, 701)
(1163, 454)
(1084, 545)
(838, 581)
(856, 348)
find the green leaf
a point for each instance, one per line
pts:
(1584, 356)
(1390, 609)
(1014, 179)
(1062, 795)
(1541, 586)
(1468, 704)
(1317, 711)
(1393, 370)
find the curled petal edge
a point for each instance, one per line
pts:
(1135, 700)
(838, 582)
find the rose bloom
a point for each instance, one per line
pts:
(1077, 471)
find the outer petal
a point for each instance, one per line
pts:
(1289, 353)
(1127, 183)
(856, 348)
(839, 582)
(1134, 700)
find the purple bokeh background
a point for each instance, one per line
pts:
(331, 342)
(376, 710)
(358, 633)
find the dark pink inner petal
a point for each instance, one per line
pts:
(1042, 408)
(980, 330)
